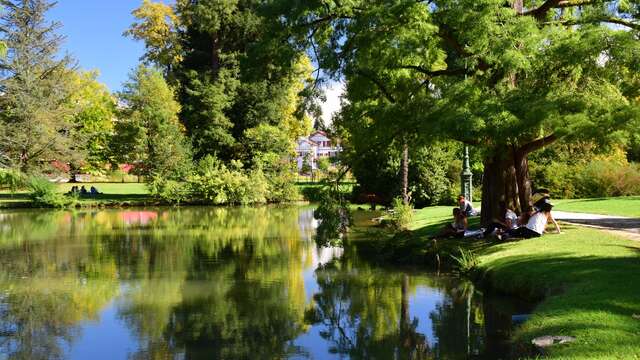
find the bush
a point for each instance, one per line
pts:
(402, 214)
(334, 219)
(603, 178)
(216, 183)
(466, 261)
(11, 179)
(171, 191)
(44, 193)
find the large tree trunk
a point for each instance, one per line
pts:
(506, 178)
(521, 163)
(499, 183)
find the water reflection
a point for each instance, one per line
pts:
(218, 283)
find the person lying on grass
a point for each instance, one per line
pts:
(456, 228)
(536, 224)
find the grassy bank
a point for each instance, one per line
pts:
(621, 206)
(112, 194)
(587, 281)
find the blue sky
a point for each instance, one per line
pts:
(94, 36)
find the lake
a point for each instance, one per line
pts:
(223, 283)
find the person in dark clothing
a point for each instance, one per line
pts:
(457, 227)
(508, 221)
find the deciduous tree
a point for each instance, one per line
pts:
(505, 77)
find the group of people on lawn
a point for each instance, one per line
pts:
(83, 191)
(529, 224)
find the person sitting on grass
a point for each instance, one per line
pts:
(537, 223)
(466, 206)
(508, 221)
(94, 191)
(457, 227)
(83, 190)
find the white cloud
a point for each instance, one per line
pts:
(332, 105)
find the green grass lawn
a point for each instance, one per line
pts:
(591, 286)
(111, 193)
(622, 206)
(588, 279)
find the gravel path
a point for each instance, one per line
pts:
(624, 225)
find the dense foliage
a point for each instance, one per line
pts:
(34, 83)
(506, 77)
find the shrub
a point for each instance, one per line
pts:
(598, 178)
(11, 179)
(402, 214)
(602, 178)
(466, 261)
(171, 191)
(216, 183)
(44, 193)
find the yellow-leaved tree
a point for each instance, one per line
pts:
(157, 26)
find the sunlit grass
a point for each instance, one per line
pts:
(110, 193)
(622, 206)
(589, 281)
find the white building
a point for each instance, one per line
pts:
(316, 146)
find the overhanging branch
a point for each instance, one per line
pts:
(537, 144)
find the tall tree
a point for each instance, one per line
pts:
(149, 133)
(234, 71)
(157, 25)
(93, 112)
(34, 87)
(505, 77)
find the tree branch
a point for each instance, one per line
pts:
(379, 84)
(446, 33)
(445, 72)
(612, 20)
(537, 144)
(540, 12)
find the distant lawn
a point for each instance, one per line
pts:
(110, 193)
(110, 188)
(621, 206)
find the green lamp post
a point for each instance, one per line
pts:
(466, 177)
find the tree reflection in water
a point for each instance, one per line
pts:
(195, 283)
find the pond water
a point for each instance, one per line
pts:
(230, 283)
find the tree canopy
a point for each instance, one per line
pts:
(505, 77)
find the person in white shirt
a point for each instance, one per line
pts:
(537, 223)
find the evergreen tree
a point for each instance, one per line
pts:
(35, 128)
(234, 71)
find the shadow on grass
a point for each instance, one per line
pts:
(115, 198)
